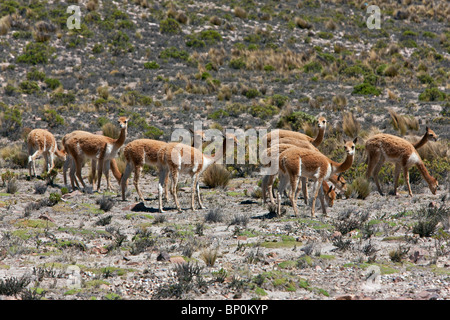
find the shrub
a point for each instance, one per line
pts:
(240, 12)
(218, 114)
(110, 130)
(238, 63)
(301, 23)
(263, 111)
(151, 65)
(432, 94)
(350, 125)
(29, 87)
(35, 75)
(352, 71)
(391, 71)
(251, 93)
(106, 203)
(36, 53)
(359, 188)
(52, 83)
(278, 100)
(53, 118)
(216, 176)
(174, 53)
(11, 121)
(313, 66)
(153, 132)
(398, 254)
(97, 48)
(214, 215)
(325, 35)
(63, 98)
(366, 89)
(170, 26)
(295, 120)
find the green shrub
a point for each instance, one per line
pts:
(251, 93)
(210, 36)
(352, 71)
(366, 89)
(151, 65)
(174, 53)
(153, 132)
(98, 48)
(325, 35)
(425, 78)
(119, 43)
(296, 120)
(10, 90)
(11, 120)
(52, 83)
(238, 63)
(36, 53)
(53, 118)
(62, 98)
(313, 66)
(35, 75)
(263, 111)
(220, 113)
(29, 87)
(194, 42)
(170, 26)
(432, 94)
(278, 100)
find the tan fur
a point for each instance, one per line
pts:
(322, 124)
(268, 180)
(385, 147)
(103, 149)
(295, 163)
(429, 135)
(137, 153)
(176, 158)
(42, 142)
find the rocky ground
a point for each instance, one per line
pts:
(229, 64)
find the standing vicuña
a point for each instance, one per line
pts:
(98, 147)
(70, 163)
(137, 153)
(177, 158)
(286, 143)
(280, 133)
(385, 147)
(42, 142)
(295, 163)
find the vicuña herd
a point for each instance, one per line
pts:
(295, 154)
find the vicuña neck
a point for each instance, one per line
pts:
(425, 174)
(120, 141)
(344, 166)
(422, 141)
(318, 140)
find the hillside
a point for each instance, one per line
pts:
(231, 65)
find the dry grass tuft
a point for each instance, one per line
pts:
(216, 176)
(350, 125)
(240, 12)
(403, 122)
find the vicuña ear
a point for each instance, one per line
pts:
(354, 140)
(427, 129)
